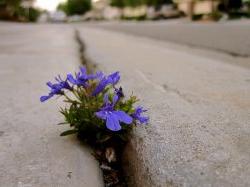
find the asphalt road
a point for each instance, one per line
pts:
(232, 37)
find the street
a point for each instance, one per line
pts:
(232, 38)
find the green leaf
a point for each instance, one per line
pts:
(104, 138)
(63, 123)
(68, 132)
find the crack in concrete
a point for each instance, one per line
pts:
(147, 80)
(84, 60)
(177, 92)
(163, 88)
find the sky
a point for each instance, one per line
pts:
(48, 4)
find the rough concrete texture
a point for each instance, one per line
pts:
(32, 152)
(199, 108)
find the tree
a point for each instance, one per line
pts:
(75, 7)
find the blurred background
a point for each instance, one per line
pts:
(85, 10)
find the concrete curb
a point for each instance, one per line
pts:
(196, 131)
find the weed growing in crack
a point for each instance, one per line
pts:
(98, 112)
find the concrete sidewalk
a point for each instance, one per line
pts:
(32, 154)
(199, 108)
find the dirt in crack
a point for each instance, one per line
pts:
(108, 154)
(83, 58)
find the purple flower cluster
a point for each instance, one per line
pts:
(56, 88)
(107, 112)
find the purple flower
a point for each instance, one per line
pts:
(111, 79)
(56, 89)
(137, 115)
(113, 117)
(119, 92)
(82, 77)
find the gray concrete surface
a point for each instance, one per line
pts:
(199, 109)
(32, 154)
(227, 37)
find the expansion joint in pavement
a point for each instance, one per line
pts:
(84, 60)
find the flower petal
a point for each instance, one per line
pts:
(106, 99)
(101, 114)
(123, 117)
(143, 119)
(112, 122)
(44, 98)
(71, 79)
(100, 87)
(100, 75)
(115, 99)
(49, 84)
(114, 77)
(83, 70)
(137, 115)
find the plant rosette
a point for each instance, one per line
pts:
(98, 112)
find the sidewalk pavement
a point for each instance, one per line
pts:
(32, 152)
(199, 108)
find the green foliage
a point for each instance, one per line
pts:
(9, 9)
(31, 14)
(117, 3)
(80, 115)
(13, 11)
(63, 7)
(11, 3)
(75, 7)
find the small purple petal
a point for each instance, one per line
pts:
(112, 123)
(123, 117)
(101, 114)
(137, 115)
(115, 99)
(100, 75)
(71, 79)
(83, 70)
(114, 77)
(44, 98)
(100, 87)
(49, 84)
(106, 99)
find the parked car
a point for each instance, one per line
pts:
(58, 16)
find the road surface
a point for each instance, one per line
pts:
(232, 38)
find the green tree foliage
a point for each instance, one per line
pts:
(12, 3)
(12, 10)
(75, 7)
(30, 14)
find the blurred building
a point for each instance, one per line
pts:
(27, 3)
(195, 7)
(100, 4)
(191, 7)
